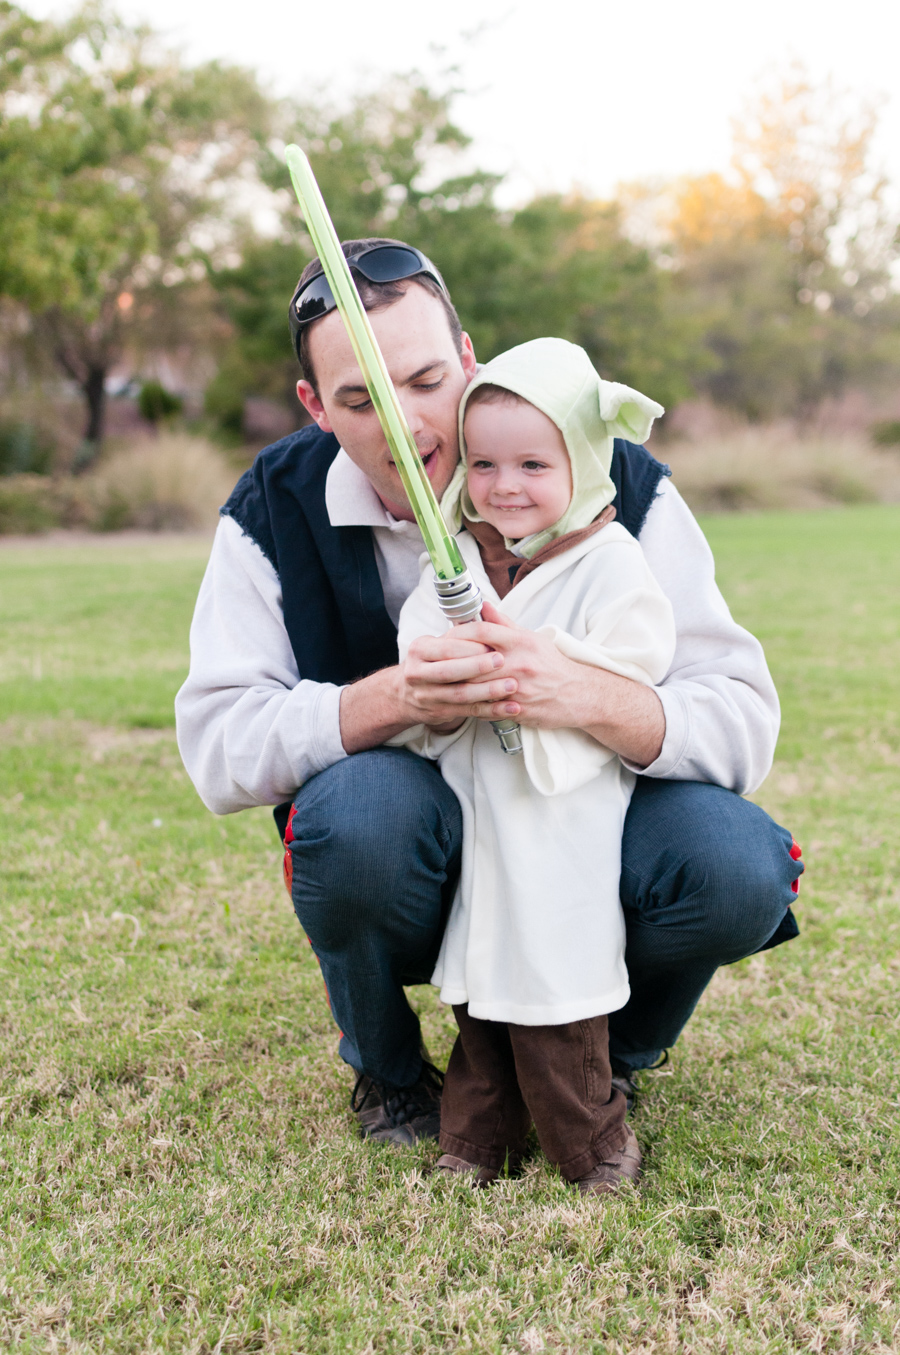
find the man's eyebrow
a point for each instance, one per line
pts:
(343, 392)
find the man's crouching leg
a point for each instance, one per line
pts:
(707, 878)
(374, 846)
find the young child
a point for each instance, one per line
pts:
(533, 956)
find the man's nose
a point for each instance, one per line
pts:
(413, 417)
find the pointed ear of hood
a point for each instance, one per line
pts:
(626, 413)
(558, 378)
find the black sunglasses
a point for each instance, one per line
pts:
(377, 263)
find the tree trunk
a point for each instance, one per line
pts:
(94, 390)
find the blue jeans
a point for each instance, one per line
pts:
(706, 880)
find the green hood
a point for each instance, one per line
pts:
(558, 379)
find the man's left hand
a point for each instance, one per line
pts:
(555, 692)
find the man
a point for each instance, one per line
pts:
(294, 687)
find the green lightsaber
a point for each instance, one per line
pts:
(458, 593)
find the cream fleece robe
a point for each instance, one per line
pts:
(536, 934)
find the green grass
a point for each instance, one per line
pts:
(178, 1169)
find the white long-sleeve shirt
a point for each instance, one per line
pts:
(251, 729)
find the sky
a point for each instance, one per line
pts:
(559, 93)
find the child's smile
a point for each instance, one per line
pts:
(517, 467)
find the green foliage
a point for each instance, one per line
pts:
(179, 1167)
(24, 449)
(560, 266)
(114, 159)
(778, 348)
(124, 230)
(787, 268)
(25, 505)
(155, 403)
(887, 434)
(564, 266)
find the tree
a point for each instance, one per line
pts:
(117, 165)
(787, 265)
(370, 160)
(557, 266)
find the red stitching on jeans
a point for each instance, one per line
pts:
(288, 865)
(796, 853)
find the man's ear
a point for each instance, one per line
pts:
(313, 405)
(468, 359)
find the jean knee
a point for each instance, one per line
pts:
(749, 876)
(365, 833)
(718, 859)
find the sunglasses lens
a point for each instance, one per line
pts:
(315, 300)
(384, 263)
(388, 264)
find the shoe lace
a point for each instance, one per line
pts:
(401, 1104)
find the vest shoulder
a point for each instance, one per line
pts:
(295, 467)
(636, 475)
(636, 457)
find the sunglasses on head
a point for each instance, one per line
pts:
(377, 263)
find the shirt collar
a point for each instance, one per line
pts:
(351, 501)
(350, 498)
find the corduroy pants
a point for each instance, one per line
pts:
(502, 1077)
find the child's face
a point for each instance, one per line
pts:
(517, 467)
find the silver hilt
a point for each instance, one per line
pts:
(460, 601)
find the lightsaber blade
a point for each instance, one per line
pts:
(458, 593)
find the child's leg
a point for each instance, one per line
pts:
(483, 1117)
(565, 1078)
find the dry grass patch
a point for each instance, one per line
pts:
(173, 482)
(774, 467)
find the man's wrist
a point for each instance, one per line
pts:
(373, 710)
(625, 716)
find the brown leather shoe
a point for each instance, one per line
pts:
(481, 1176)
(607, 1177)
(399, 1115)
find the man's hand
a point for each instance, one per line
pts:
(544, 688)
(444, 680)
(494, 670)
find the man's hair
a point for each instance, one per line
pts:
(375, 296)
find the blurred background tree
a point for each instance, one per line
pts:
(786, 265)
(119, 165)
(148, 235)
(559, 265)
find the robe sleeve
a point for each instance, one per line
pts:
(629, 629)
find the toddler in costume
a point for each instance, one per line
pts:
(533, 955)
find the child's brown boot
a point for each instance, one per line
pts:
(606, 1177)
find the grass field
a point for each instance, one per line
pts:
(178, 1169)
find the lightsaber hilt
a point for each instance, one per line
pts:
(460, 601)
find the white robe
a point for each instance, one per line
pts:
(536, 934)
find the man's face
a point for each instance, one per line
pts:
(428, 373)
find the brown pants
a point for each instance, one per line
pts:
(501, 1077)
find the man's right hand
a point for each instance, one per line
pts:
(443, 680)
(449, 677)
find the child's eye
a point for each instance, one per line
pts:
(534, 465)
(481, 465)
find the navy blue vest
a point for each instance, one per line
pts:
(333, 601)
